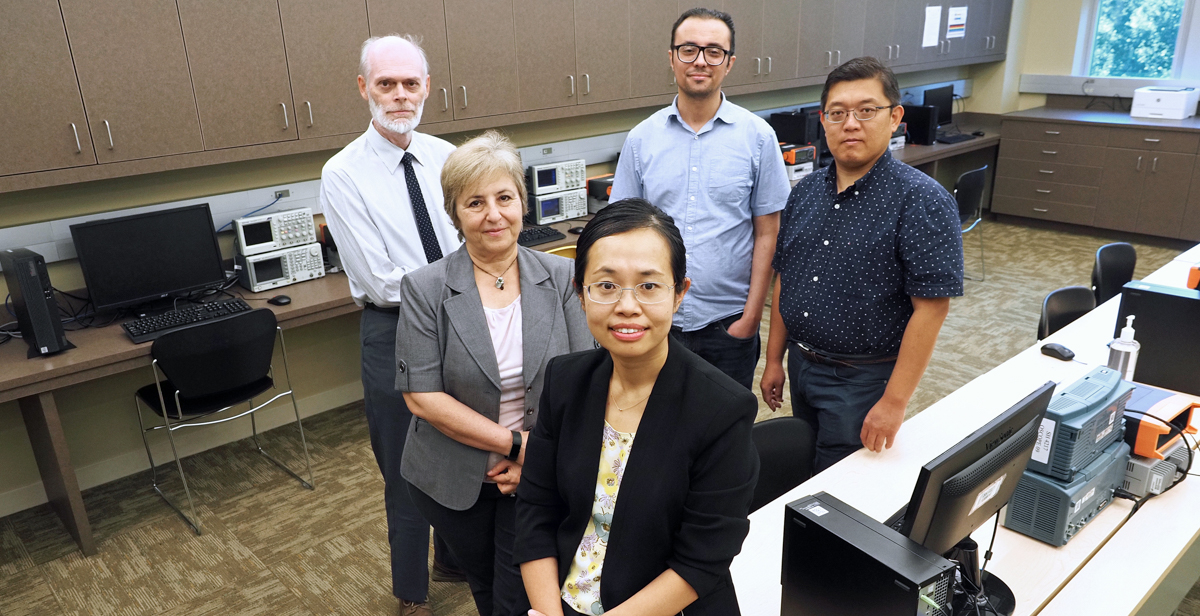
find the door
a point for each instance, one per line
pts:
(40, 131)
(978, 38)
(323, 39)
(133, 72)
(998, 26)
(545, 39)
(602, 49)
(751, 64)
(425, 19)
(480, 35)
(650, 24)
(908, 20)
(1121, 188)
(816, 21)
(781, 39)
(239, 71)
(1165, 194)
(935, 52)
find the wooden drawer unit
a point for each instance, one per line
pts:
(1156, 140)
(1067, 154)
(1060, 212)
(1053, 132)
(1046, 191)
(1048, 172)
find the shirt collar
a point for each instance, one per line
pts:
(865, 181)
(724, 113)
(390, 153)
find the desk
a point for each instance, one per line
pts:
(1045, 579)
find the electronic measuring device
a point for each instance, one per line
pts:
(1145, 476)
(274, 230)
(1081, 422)
(280, 268)
(545, 209)
(556, 177)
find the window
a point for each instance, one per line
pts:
(1138, 38)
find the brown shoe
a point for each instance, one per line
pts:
(408, 608)
(443, 573)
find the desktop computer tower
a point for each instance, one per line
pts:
(33, 301)
(922, 124)
(802, 127)
(839, 562)
(1168, 328)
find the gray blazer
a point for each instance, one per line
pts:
(443, 344)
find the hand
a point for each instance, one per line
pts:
(507, 475)
(771, 384)
(882, 423)
(745, 327)
(535, 613)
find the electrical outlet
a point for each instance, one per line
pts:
(547, 151)
(283, 194)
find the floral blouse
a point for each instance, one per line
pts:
(581, 590)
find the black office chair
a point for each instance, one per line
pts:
(208, 369)
(1114, 267)
(968, 192)
(1063, 306)
(786, 446)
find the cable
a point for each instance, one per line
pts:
(230, 223)
(1137, 503)
(987, 556)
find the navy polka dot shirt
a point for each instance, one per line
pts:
(848, 263)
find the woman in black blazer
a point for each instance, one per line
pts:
(658, 538)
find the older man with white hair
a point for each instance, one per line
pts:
(382, 197)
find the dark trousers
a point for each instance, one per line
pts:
(736, 357)
(387, 420)
(834, 400)
(481, 540)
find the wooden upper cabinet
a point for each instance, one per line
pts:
(602, 49)
(41, 112)
(425, 19)
(650, 24)
(239, 71)
(849, 20)
(323, 39)
(751, 64)
(879, 40)
(545, 39)
(816, 41)
(483, 57)
(781, 39)
(998, 25)
(134, 76)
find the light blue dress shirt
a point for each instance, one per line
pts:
(712, 182)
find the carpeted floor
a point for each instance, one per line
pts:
(272, 547)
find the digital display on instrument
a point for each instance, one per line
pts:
(269, 269)
(258, 233)
(551, 207)
(547, 177)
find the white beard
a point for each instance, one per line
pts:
(400, 127)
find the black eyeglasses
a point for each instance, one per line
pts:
(862, 114)
(713, 55)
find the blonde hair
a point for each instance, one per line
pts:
(477, 160)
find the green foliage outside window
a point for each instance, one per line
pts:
(1136, 38)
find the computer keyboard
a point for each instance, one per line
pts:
(148, 328)
(533, 235)
(954, 138)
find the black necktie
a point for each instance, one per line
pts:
(424, 226)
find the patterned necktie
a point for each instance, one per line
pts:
(424, 226)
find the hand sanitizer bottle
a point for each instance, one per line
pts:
(1123, 351)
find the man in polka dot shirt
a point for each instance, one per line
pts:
(868, 256)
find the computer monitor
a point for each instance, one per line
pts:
(135, 259)
(959, 490)
(943, 99)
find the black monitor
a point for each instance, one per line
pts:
(943, 99)
(135, 259)
(959, 490)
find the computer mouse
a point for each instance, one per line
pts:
(1057, 351)
(979, 133)
(280, 300)
(575, 230)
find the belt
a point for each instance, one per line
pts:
(392, 310)
(818, 356)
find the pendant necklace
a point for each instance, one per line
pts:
(622, 410)
(500, 278)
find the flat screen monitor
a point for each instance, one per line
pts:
(135, 259)
(943, 99)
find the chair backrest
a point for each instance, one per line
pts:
(1114, 267)
(218, 356)
(1063, 306)
(564, 251)
(785, 453)
(968, 192)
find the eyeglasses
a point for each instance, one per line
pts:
(645, 293)
(713, 55)
(862, 114)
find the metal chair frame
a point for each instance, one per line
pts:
(194, 422)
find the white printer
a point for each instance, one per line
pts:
(1163, 102)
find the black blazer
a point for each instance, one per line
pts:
(686, 490)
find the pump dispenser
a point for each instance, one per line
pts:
(1123, 351)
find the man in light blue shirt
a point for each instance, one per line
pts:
(717, 170)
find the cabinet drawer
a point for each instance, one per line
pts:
(1052, 132)
(1157, 140)
(1046, 191)
(1048, 172)
(1061, 212)
(1067, 154)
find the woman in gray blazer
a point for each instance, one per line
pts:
(477, 329)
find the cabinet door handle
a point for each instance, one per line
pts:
(1043, 191)
(768, 65)
(285, 118)
(839, 53)
(1046, 171)
(587, 84)
(78, 148)
(897, 51)
(758, 66)
(1148, 140)
(1039, 209)
(445, 99)
(309, 105)
(1154, 165)
(109, 130)
(1050, 152)
(1053, 132)
(828, 59)
(572, 78)
(948, 42)
(1139, 163)
(464, 89)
